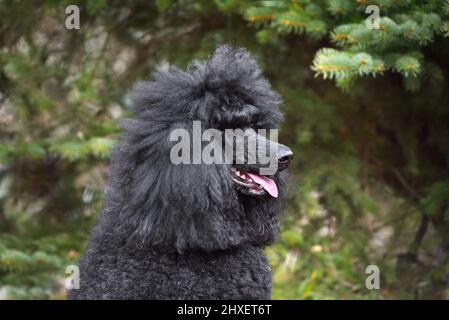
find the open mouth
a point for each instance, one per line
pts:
(255, 184)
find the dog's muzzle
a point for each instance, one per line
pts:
(257, 178)
(285, 155)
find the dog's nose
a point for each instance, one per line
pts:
(285, 154)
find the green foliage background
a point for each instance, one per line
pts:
(370, 180)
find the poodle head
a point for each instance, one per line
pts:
(174, 181)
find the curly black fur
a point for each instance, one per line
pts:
(184, 231)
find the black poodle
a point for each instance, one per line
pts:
(188, 231)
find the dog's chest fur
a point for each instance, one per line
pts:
(241, 273)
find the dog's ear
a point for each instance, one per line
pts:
(181, 206)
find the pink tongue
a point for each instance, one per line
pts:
(268, 184)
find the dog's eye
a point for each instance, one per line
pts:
(265, 125)
(232, 117)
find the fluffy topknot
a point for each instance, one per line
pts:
(206, 85)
